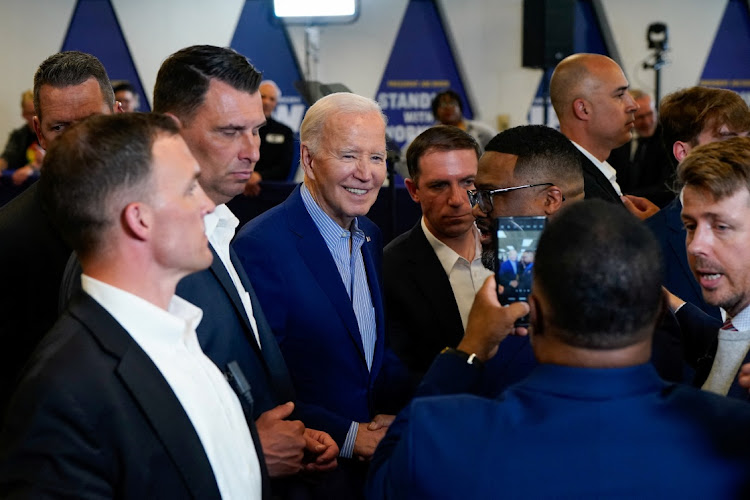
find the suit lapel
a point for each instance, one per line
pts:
(313, 250)
(433, 281)
(222, 275)
(153, 394)
(599, 178)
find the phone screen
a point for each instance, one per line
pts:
(516, 239)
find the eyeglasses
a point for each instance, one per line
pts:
(483, 197)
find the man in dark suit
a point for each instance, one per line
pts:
(592, 408)
(590, 95)
(643, 164)
(689, 118)
(432, 272)
(213, 94)
(315, 261)
(716, 208)
(68, 87)
(118, 400)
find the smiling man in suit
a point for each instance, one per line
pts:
(118, 400)
(316, 262)
(213, 94)
(432, 272)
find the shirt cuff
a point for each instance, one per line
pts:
(347, 450)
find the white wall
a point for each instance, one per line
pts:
(486, 34)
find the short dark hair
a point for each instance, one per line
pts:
(123, 86)
(544, 155)
(450, 93)
(184, 78)
(91, 162)
(600, 270)
(720, 168)
(438, 138)
(66, 69)
(684, 114)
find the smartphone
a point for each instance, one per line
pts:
(515, 240)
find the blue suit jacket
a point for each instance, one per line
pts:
(310, 313)
(678, 278)
(568, 432)
(225, 333)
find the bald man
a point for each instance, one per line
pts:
(590, 95)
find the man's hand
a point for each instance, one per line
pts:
(673, 300)
(321, 451)
(252, 186)
(489, 322)
(638, 206)
(21, 174)
(283, 441)
(744, 378)
(367, 440)
(381, 420)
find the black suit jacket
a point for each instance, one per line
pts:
(32, 260)
(94, 418)
(225, 333)
(422, 316)
(596, 184)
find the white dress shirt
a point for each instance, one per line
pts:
(605, 168)
(169, 339)
(220, 227)
(466, 278)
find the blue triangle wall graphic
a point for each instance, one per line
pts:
(265, 42)
(727, 64)
(587, 37)
(421, 64)
(94, 29)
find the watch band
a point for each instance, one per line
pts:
(471, 359)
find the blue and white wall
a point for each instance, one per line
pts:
(486, 37)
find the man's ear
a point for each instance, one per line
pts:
(136, 218)
(411, 186)
(535, 315)
(118, 107)
(581, 109)
(680, 150)
(553, 200)
(38, 130)
(174, 117)
(306, 159)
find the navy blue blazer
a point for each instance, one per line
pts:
(93, 417)
(568, 432)
(678, 278)
(310, 313)
(225, 333)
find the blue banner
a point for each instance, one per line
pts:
(263, 39)
(421, 64)
(94, 29)
(728, 63)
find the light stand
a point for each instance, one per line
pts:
(657, 37)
